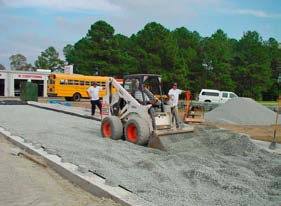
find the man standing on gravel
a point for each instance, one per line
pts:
(174, 98)
(93, 93)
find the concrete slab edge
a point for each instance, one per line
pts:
(62, 111)
(86, 180)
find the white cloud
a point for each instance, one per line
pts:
(63, 4)
(29, 36)
(165, 6)
(251, 12)
(257, 13)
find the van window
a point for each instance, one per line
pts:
(214, 94)
(232, 95)
(224, 95)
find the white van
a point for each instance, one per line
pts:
(215, 96)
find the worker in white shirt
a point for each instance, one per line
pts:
(174, 98)
(93, 92)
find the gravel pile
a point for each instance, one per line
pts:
(242, 111)
(210, 166)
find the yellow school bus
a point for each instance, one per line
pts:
(73, 87)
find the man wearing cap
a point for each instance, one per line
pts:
(93, 93)
(174, 98)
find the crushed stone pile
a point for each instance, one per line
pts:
(210, 166)
(242, 111)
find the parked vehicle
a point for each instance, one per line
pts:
(215, 96)
(73, 87)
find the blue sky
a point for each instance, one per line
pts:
(29, 27)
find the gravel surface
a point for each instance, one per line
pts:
(208, 167)
(25, 183)
(242, 111)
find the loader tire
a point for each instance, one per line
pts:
(137, 131)
(111, 127)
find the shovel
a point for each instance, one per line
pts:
(273, 143)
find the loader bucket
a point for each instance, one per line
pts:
(158, 139)
(154, 142)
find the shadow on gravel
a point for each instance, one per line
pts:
(12, 102)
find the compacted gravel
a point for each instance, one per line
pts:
(210, 166)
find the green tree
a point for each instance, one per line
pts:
(68, 52)
(188, 45)
(122, 60)
(252, 65)
(49, 59)
(157, 51)
(217, 51)
(179, 56)
(19, 62)
(2, 67)
(98, 51)
(274, 51)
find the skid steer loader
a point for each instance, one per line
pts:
(141, 118)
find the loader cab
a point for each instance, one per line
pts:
(146, 85)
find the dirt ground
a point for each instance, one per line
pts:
(264, 133)
(24, 182)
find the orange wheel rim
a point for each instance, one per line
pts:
(132, 133)
(107, 129)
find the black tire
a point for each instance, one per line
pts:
(76, 97)
(137, 131)
(111, 127)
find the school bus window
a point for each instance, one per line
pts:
(87, 83)
(76, 82)
(103, 84)
(82, 83)
(70, 82)
(62, 81)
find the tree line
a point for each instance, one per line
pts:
(249, 66)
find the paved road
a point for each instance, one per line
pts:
(25, 183)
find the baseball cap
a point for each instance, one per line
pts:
(175, 84)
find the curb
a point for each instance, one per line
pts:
(62, 111)
(88, 181)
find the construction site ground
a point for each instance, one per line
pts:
(264, 133)
(25, 182)
(209, 166)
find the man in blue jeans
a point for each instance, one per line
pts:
(174, 98)
(93, 93)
